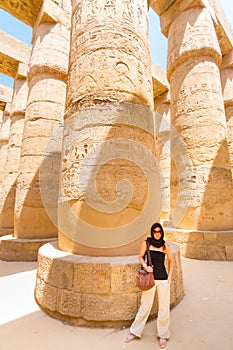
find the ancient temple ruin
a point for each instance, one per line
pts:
(97, 142)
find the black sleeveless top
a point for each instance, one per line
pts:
(159, 270)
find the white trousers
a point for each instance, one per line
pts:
(147, 299)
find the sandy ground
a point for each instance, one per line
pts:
(203, 320)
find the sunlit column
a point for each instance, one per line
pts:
(19, 99)
(109, 182)
(44, 113)
(201, 182)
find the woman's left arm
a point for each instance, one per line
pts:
(170, 262)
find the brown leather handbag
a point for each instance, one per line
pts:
(144, 279)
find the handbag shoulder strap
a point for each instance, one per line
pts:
(148, 253)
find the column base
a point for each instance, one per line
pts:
(202, 245)
(94, 291)
(6, 231)
(15, 249)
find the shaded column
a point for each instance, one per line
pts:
(199, 147)
(227, 88)
(4, 138)
(108, 157)
(44, 113)
(19, 99)
(162, 146)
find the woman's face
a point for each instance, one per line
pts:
(157, 232)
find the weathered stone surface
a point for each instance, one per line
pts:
(11, 169)
(68, 303)
(227, 88)
(46, 293)
(12, 249)
(123, 278)
(47, 76)
(229, 252)
(169, 10)
(99, 290)
(4, 139)
(162, 126)
(108, 127)
(203, 245)
(201, 181)
(92, 278)
(5, 232)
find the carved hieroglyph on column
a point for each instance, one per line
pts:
(109, 184)
(227, 87)
(162, 145)
(205, 192)
(19, 100)
(45, 110)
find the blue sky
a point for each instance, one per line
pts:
(158, 42)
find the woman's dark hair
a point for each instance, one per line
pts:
(156, 242)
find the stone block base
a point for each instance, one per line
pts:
(203, 245)
(94, 291)
(6, 231)
(14, 249)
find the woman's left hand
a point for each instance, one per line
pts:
(149, 269)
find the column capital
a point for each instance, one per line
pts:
(169, 10)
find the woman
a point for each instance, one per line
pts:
(158, 249)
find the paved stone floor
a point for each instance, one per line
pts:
(203, 320)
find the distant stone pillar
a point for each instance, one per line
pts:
(7, 197)
(162, 146)
(1, 142)
(44, 113)
(201, 181)
(108, 132)
(227, 88)
(4, 138)
(1, 115)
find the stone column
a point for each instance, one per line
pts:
(7, 198)
(4, 138)
(200, 174)
(108, 143)
(162, 146)
(108, 159)
(227, 88)
(47, 76)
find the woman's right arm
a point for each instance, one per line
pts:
(141, 257)
(142, 253)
